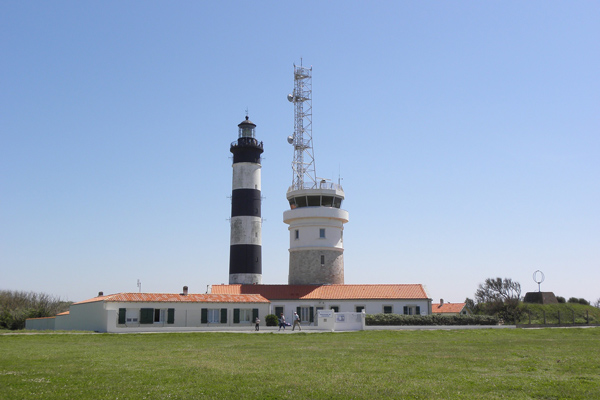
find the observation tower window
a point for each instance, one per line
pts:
(327, 201)
(301, 201)
(314, 201)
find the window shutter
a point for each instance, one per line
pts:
(254, 314)
(146, 315)
(311, 311)
(223, 315)
(171, 316)
(405, 310)
(418, 310)
(122, 312)
(204, 316)
(236, 315)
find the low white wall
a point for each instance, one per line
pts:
(40, 324)
(343, 321)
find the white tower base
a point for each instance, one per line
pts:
(316, 225)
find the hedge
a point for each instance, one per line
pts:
(396, 319)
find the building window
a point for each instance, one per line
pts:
(213, 315)
(159, 315)
(335, 308)
(297, 234)
(322, 260)
(245, 315)
(322, 233)
(278, 311)
(387, 309)
(359, 308)
(412, 310)
(306, 314)
(132, 316)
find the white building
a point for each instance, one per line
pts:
(151, 312)
(306, 300)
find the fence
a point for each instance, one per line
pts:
(565, 317)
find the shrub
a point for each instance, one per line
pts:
(420, 320)
(16, 307)
(560, 299)
(584, 302)
(271, 320)
(573, 300)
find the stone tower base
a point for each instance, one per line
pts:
(540, 298)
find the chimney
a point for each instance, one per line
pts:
(441, 302)
(185, 290)
(100, 294)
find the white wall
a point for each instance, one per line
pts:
(83, 317)
(40, 324)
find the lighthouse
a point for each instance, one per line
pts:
(245, 259)
(315, 218)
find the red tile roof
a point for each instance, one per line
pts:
(326, 292)
(177, 298)
(454, 308)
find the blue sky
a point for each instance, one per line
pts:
(466, 135)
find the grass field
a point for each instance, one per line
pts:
(467, 364)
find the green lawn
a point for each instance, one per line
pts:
(462, 364)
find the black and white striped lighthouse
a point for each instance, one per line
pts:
(245, 260)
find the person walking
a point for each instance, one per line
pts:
(281, 322)
(296, 321)
(257, 324)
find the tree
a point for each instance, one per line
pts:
(470, 304)
(498, 289)
(500, 297)
(597, 303)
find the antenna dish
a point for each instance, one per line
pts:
(290, 97)
(290, 139)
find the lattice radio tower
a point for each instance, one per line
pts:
(303, 165)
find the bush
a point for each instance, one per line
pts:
(272, 320)
(404, 320)
(510, 311)
(584, 302)
(573, 300)
(560, 299)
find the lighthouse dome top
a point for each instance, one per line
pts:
(246, 128)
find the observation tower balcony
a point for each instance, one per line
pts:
(323, 194)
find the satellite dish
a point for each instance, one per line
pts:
(290, 139)
(290, 97)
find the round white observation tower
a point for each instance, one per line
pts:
(316, 225)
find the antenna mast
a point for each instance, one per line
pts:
(303, 165)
